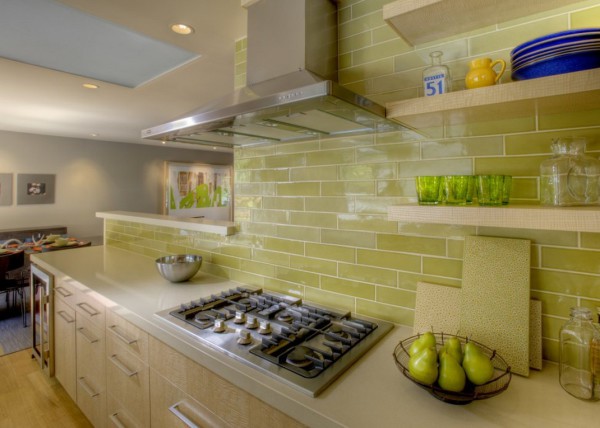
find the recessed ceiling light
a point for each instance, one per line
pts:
(94, 135)
(90, 86)
(182, 29)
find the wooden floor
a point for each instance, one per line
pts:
(29, 398)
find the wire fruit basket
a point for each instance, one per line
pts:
(471, 392)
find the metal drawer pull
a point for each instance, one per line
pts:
(121, 335)
(91, 312)
(66, 317)
(88, 336)
(115, 420)
(63, 292)
(87, 388)
(128, 372)
(205, 417)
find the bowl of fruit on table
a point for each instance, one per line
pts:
(452, 368)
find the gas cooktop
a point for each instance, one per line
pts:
(304, 345)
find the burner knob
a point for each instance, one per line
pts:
(219, 326)
(240, 317)
(251, 323)
(265, 327)
(244, 337)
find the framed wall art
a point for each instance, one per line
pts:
(6, 189)
(198, 190)
(35, 189)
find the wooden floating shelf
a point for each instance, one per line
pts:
(538, 217)
(422, 21)
(571, 92)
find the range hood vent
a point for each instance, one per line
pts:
(292, 92)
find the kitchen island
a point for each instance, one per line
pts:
(372, 391)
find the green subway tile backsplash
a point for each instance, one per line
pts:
(312, 215)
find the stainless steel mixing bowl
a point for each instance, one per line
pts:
(179, 268)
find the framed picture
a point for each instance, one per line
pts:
(6, 189)
(35, 189)
(198, 190)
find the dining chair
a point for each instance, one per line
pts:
(13, 280)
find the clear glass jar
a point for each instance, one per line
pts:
(436, 77)
(569, 177)
(579, 356)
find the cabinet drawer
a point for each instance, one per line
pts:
(171, 407)
(91, 401)
(64, 354)
(91, 377)
(118, 416)
(130, 335)
(127, 382)
(78, 297)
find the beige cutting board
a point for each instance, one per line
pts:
(495, 297)
(437, 309)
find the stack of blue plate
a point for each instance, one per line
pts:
(557, 53)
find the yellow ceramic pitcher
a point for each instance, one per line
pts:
(482, 72)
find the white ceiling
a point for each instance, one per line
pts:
(43, 101)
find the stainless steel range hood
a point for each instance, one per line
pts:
(292, 92)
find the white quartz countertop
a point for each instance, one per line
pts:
(372, 392)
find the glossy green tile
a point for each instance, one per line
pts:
(218, 270)
(550, 350)
(375, 204)
(540, 237)
(568, 283)
(365, 171)
(348, 141)
(586, 261)
(248, 201)
(510, 37)
(525, 189)
(387, 153)
(386, 312)
(361, 72)
(379, 51)
(385, 33)
(397, 297)
(442, 267)
(343, 188)
(551, 326)
(271, 216)
(366, 7)
(286, 160)
(330, 252)
(335, 300)
(246, 277)
(295, 276)
(344, 60)
(540, 142)
(300, 147)
(253, 151)
(387, 82)
(257, 268)
(271, 257)
(586, 18)
(456, 248)
(355, 42)
(412, 244)
(535, 256)
(479, 146)
(439, 230)
(256, 189)
(311, 264)
(348, 238)
(388, 260)
(313, 219)
(493, 126)
(298, 189)
(359, 24)
(396, 187)
(594, 305)
(436, 167)
(567, 120)
(315, 173)
(347, 287)
(298, 233)
(555, 304)
(265, 229)
(241, 164)
(330, 157)
(510, 165)
(226, 261)
(292, 203)
(284, 245)
(330, 204)
(284, 287)
(367, 274)
(366, 222)
(590, 240)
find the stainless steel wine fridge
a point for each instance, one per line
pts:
(42, 300)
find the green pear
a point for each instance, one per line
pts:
(478, 367)
(453, 347)
(426, 340)
(452, 376)
(423, 366)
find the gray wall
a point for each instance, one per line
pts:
(91, 176)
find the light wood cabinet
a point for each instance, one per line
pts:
(91, 375)
(230, 403)
(65, 348)
(171, 407)
(127, 375)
